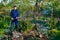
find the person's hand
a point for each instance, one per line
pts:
(17, 17)
(12, 18)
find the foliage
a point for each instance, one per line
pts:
(58, 25)
(53, 6)
(24, 25)
(55, 34)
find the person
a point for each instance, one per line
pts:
(14, 18)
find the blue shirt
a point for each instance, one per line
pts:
(14, 13)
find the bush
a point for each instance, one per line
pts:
(54, 34)
(4, 22)
(58, 25)
(24, 25)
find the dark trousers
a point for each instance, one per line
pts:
(14, 24)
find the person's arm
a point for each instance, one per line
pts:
(17, 13)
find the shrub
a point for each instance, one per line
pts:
(24, 25)
(54, 34)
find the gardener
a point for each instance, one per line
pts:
(14, 17)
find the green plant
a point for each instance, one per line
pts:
(24, 25)
(54, 34)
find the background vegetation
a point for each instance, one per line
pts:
(31, 12)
